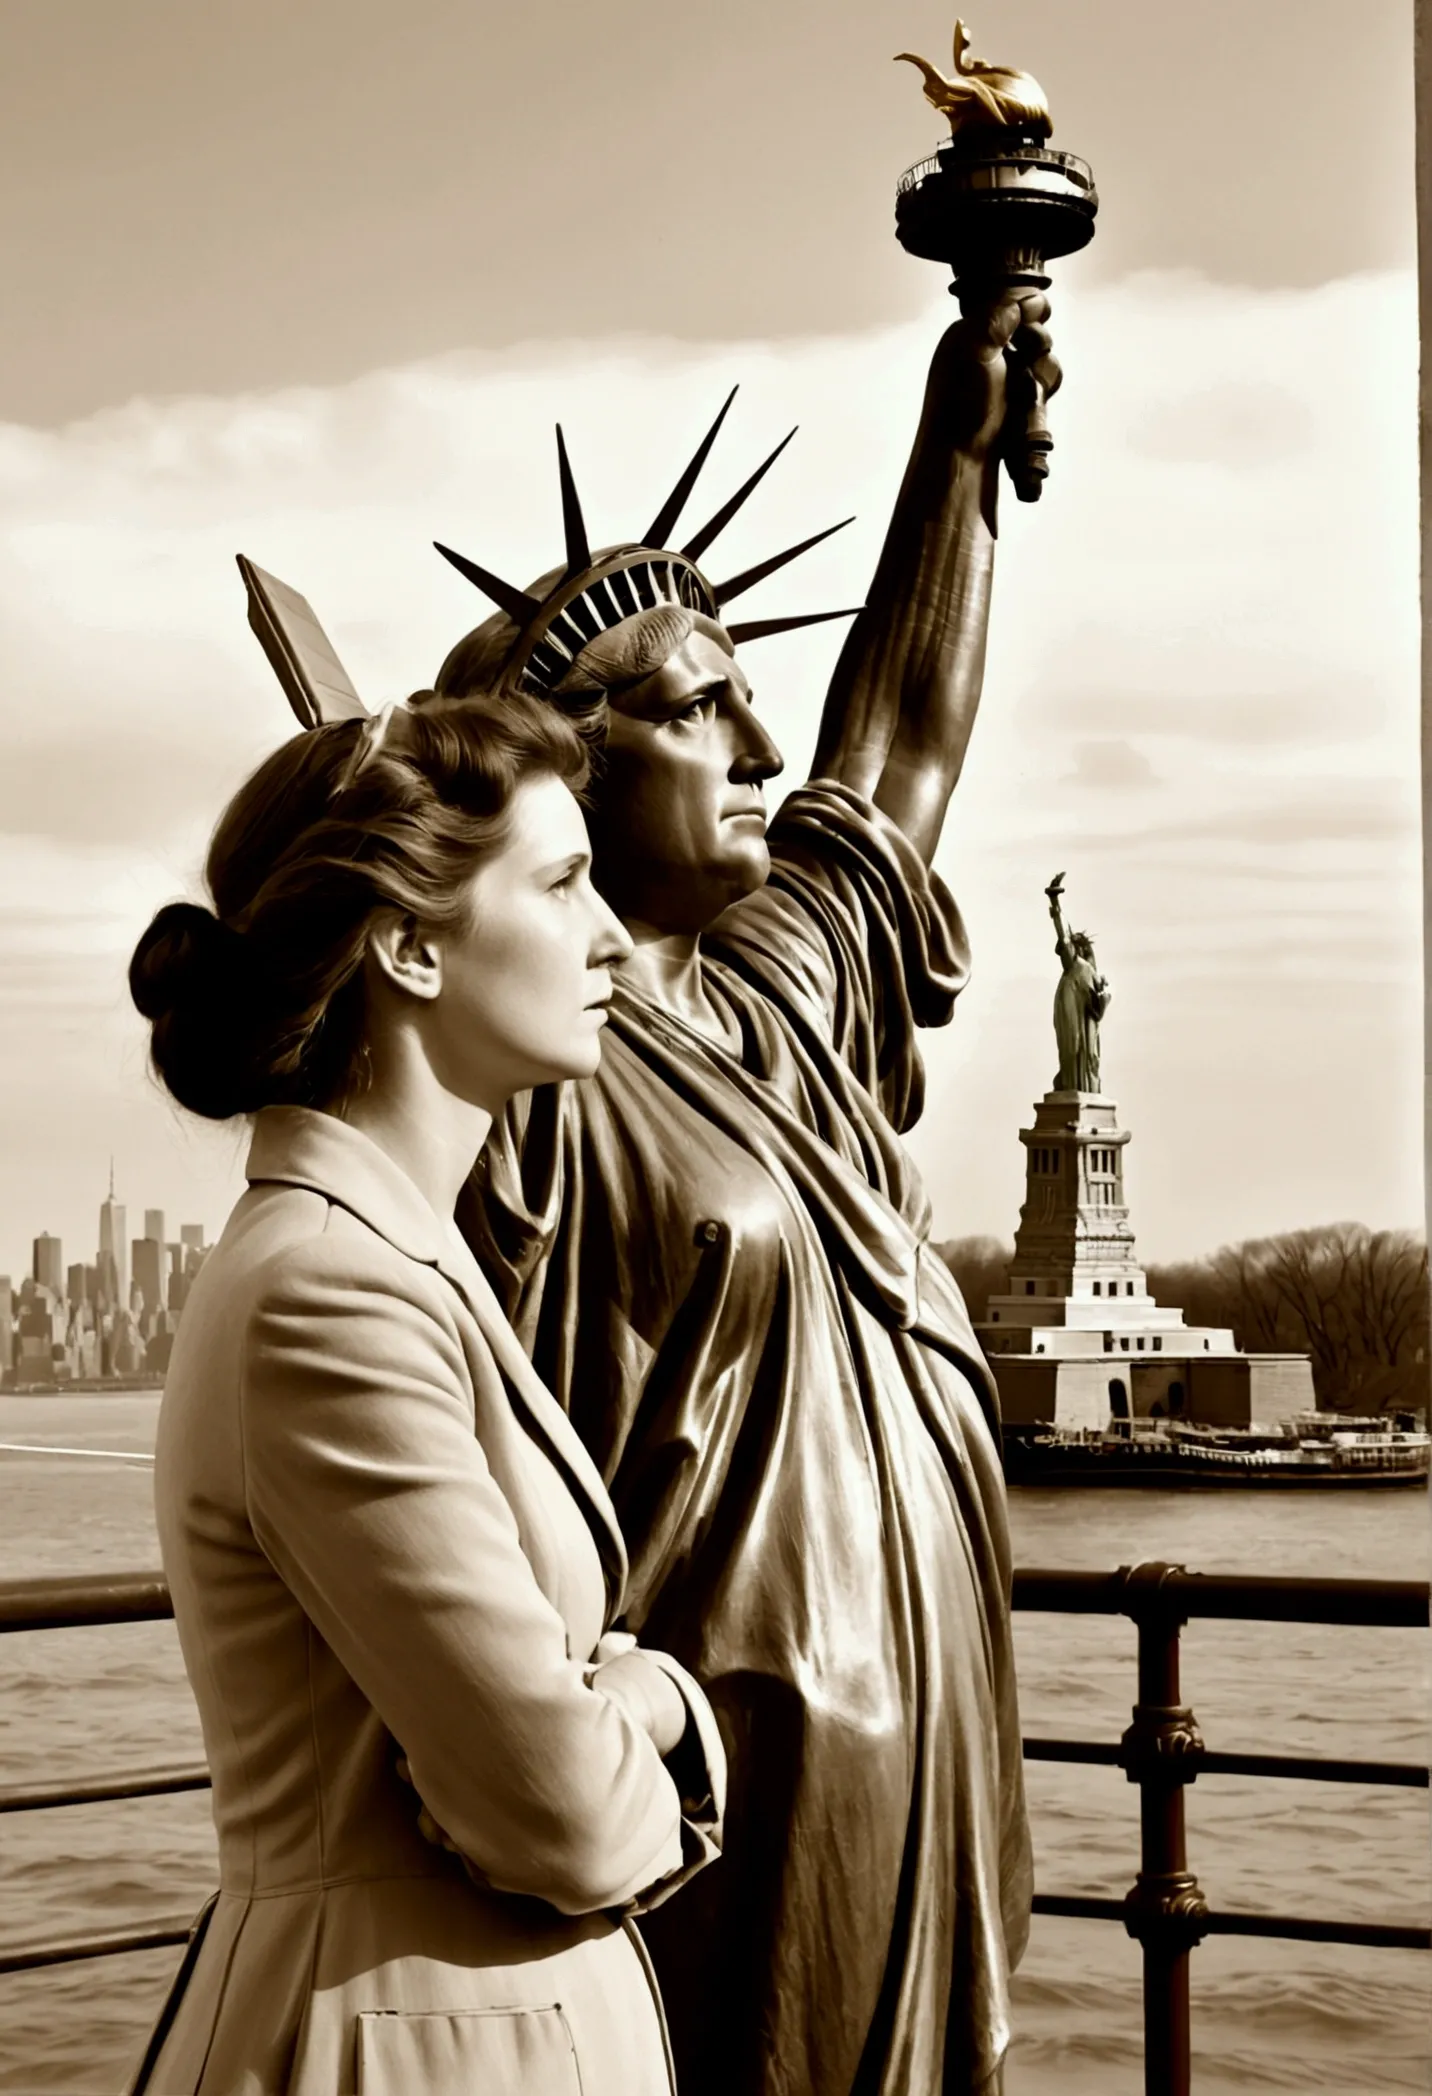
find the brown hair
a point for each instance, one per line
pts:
(259, 1001)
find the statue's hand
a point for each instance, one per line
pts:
(992, 369)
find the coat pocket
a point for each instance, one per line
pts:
(466, 2052)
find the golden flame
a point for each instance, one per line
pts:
(983, 97)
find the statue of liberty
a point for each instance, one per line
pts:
(717, 1251)
(1080, 1002)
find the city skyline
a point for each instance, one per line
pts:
(114, 1241)
(15, 1263)
(112, 1318)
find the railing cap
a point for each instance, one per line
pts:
(1132, 1590)
(1173, 1593)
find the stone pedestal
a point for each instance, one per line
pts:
(1077, 1341)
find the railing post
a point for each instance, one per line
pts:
(1164, 1911)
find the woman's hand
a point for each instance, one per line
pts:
(648, 1696)
(427, 1825)
(625, 1676)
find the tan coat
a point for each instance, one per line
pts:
(379, 1527)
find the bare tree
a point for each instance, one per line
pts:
(1354, 1299)
(981, 1267)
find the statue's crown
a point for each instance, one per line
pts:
(596, 591)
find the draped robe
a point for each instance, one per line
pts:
(718, 1261)
(1079, 1005)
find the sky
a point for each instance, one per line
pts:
(314, 284)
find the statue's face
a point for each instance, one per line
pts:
(1083, 946)
(679, 831)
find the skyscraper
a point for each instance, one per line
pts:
(191, 1236)
(113, 1250)
(149, 1271)
(49, 1264)
(154, 1223)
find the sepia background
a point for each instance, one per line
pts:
(314, 284)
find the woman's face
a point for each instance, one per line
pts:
(524, 989)
(680, 829)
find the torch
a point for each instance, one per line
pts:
(995, 203)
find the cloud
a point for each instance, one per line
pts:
(1317, 713)
(125, 788)
(1269, 820)
(1200, 689)
(1236, 422)
(1116, 765)
(1380, 812)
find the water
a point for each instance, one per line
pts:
(1267, 2016)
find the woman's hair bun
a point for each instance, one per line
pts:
(178, 958)
(190, 978)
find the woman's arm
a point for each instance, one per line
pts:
(371, 1495)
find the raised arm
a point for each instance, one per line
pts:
(1062, 943)
(906, 689)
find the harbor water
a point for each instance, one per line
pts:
(1267, 2015)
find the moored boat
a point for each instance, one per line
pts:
(1311, 1449)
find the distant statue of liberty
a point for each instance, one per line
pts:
(1080, 1002)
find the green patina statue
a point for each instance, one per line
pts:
(1080, 1002)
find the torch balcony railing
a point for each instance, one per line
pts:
(1162, 1751)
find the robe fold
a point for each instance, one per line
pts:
(719, 1262)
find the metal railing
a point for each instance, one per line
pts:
(78, 1604)
(1162, 1751)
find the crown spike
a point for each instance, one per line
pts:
(749, 577)
(515, 602)
(579, 553)
(723, 516)
(664, 522)
(762, 629)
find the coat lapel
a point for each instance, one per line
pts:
(545, 1418)
(296, 1146)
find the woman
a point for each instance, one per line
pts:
(385, 1542)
